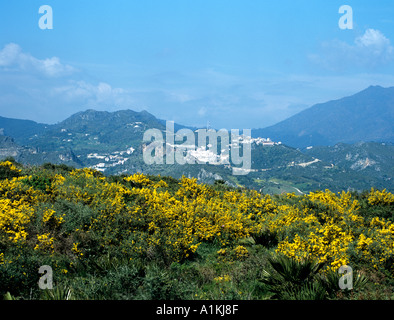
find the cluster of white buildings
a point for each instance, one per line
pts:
(204, 154)
(265, 141)
(110, 160)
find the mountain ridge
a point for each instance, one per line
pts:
(365, 116)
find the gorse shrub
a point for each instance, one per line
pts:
(9, 170)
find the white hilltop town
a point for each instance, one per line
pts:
(204, 154)
(192, 153)
(109, 160)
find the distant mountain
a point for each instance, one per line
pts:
(92, 131)
(365, 116)
(20, 130)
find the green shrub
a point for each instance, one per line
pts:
(42, 183)
(19, 273)
(78, 215)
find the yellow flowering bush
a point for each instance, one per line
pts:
(138, 179)
(329, 231)
(45, 243)
(10, 166)
(49, 218)
(376, 244)
(78, 252)
(380, 197)
(16, 189)
(15, 216)
(241, 252)
(224, 278)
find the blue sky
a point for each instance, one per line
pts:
(237, 64)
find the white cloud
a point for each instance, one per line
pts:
(373, 44)
(373, 38)
(371, 50)
(13, 58)
(9, 55)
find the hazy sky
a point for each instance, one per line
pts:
(238, 64)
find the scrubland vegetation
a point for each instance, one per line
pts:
(152, 237)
